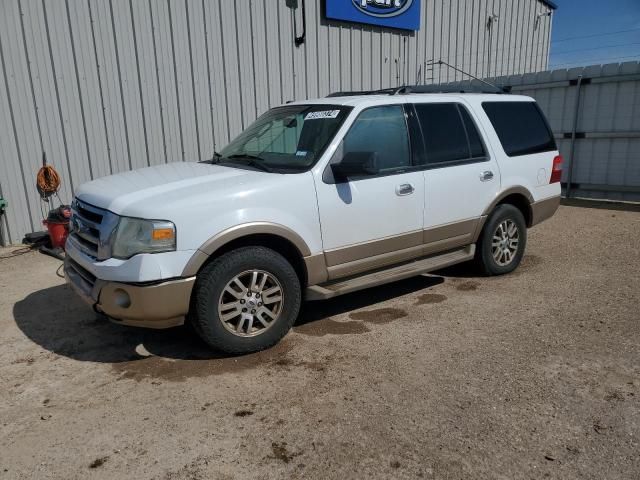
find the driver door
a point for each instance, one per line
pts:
(373, 221)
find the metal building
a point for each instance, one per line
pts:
(104, 86)
(593, 112)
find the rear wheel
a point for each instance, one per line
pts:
(502, 242)
(246, 300)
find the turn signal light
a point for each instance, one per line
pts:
(163, 233)
(556, 170)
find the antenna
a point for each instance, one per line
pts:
(441, 62)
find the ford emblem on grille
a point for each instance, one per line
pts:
(80, 227)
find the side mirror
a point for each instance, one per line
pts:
(356, 164)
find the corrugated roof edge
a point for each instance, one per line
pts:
(551, 5)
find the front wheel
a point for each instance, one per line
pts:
(502, 242)
(246, 300)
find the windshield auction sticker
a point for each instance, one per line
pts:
(322, 114)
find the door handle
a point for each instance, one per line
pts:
(486, 176)
(404, 189)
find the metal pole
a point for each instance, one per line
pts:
(572, 148)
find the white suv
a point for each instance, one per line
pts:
(315, 199)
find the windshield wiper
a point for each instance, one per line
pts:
(252, 160)
(215, 159)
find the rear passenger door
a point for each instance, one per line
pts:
(461, 176)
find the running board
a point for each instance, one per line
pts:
(380, 277)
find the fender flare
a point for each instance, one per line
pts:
(518, 190)
(209, 247)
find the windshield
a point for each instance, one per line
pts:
(289, 138)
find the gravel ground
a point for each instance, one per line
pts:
(531, 375)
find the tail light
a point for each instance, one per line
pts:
(556, 170)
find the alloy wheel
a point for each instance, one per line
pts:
(504, 243)
(250, 303)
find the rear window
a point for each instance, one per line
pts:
(521, 127)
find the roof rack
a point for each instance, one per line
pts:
(409, 89)
(474, 85)
(455, 88)
(384, 91)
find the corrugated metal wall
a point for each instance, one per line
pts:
(603, 127)
(594, 113)
(104, 86)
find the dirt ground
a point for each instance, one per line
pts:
(531, 375)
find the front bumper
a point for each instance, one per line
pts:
(153, 305)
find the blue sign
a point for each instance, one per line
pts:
(403, 14)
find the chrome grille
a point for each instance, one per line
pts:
(91, 229)
(86, 275)
(81, 280)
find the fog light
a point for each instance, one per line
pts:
(121, 298)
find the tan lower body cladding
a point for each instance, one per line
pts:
(544, 209)
(165, 304)
(356, 259)
(159, 305)
(162, 305)
(381, 253)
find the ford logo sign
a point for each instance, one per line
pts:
(382, 8)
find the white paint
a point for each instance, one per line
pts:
(203, 200)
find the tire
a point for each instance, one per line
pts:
(246, 300)
(497, 261)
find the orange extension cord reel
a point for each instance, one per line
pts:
(57, 221)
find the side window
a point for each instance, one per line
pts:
(521, 127)
(450, 134)
(382, 130)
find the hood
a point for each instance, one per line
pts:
(148, 191)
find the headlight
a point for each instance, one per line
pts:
(135, 235)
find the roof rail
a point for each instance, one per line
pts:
(409, 89)
(455, 88)
(384, 91)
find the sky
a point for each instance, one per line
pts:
(590, 32)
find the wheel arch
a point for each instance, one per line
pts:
(519, 197)
(270, 235)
